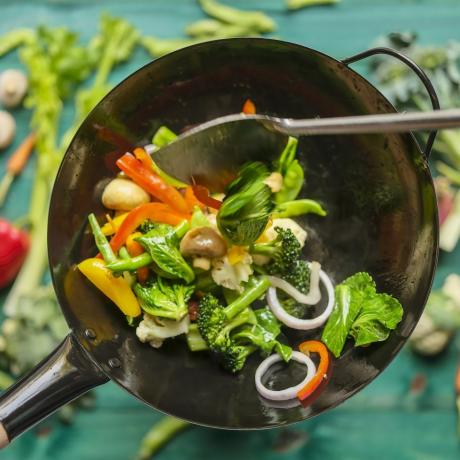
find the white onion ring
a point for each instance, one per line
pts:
(314, 294)
(287, 393)
(302, 324)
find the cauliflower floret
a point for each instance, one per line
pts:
(231, 276)
(285, 223)
(155, 331)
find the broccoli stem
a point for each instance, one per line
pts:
(264, 249)
(256, 288)
(160, 434)
(194, 340)
(101, 241)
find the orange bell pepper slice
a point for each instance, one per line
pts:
(315, 346)
(151, 182)
(192, 200)
(156, 212)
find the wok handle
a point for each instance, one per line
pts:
(65, 374)
(416, 69)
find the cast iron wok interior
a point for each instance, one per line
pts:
(377, 189)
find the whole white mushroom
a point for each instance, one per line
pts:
(7, 129)
(13, 87)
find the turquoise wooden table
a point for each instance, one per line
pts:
(386, 420)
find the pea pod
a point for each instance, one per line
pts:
(299, 208)
(292, 183)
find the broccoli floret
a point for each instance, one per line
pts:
(216, 323)
(299, 276)
(284, 251)
(235, 357)
(194, 340)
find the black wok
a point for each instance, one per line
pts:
(382, 219)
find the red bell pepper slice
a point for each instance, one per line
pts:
(315, 346)
(156, 212)
(150, 182)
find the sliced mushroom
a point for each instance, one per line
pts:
(203, 242)
(123, 195)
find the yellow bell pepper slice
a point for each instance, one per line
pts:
(117, 289)
(113, 225)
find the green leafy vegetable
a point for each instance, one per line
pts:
(162, 245)
(263, 335)
(247, 206)
(113, 45)
(360, 312)
(164, 299)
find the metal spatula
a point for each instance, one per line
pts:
(213, 151)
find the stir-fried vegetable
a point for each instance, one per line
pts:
(116, 288)
(360, 312)
(164, 299)
(162, 245)
(247, 206)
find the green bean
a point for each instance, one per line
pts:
(298, 208)
(160, 433)
(298, 4)
(256, 20)
(123, 253)
(101, 241)
(131, 264)
(212, 29)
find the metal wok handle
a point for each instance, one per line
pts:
(65, 374)
(417, 70)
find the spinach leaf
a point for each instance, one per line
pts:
(263, 334)
(360, 312)
(247, 206)
(162, 244)
(164, 299)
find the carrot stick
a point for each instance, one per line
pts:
(16, 164)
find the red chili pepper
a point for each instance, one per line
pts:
(315, 346)
(153, 184)
(249, 107)
(156, 212)
(202, 193)
(14, 244)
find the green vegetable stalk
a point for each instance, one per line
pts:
(160, 434)
(298, 4)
